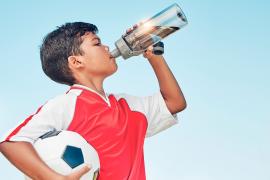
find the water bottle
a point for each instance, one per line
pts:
(150, 32)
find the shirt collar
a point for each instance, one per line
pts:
(79, 86)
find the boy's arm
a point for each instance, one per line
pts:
(25, 158)
(169, 87)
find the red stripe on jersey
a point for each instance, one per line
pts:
(22, 125)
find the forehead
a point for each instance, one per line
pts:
(89, 36)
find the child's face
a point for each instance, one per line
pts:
(96, 57)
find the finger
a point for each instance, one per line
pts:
(129, 30)
(150, 48)
(79, 173)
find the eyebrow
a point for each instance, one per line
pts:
(96, 38)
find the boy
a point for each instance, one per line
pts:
(115, 125)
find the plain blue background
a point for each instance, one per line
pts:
(221, 61)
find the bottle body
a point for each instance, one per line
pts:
(150, 32)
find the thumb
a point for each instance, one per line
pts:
(79, 173)
(148, 52)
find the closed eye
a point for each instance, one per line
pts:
(96, 39)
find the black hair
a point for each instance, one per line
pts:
(58, 45)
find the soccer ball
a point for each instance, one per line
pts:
(67, 151)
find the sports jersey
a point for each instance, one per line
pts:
(115, 125)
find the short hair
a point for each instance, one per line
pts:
(58, 45)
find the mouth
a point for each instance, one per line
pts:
(111, 57)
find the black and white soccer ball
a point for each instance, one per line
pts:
(67, 151)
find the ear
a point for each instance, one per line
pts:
(74, 62)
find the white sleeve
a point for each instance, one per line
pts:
(154, 108)
(56, 114)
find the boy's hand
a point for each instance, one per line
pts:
(154, 51)
(77, 174)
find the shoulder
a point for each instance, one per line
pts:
(63, 100)
(136, 103)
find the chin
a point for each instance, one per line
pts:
(116, 68)
(112, 71)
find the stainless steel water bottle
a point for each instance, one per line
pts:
(150, 32)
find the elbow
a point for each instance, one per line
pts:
(178, 107)
(180, 103)
(181, 106)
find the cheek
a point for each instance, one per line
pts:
(98, 54)
(96, 61)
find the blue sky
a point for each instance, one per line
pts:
(221, 61)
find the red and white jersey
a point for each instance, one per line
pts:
(115, 126)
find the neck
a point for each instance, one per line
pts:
(95, 84)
